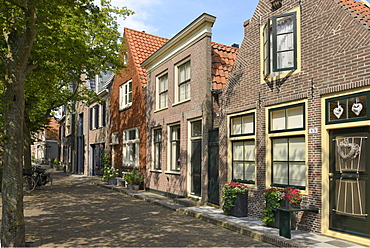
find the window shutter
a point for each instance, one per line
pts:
(266, 50)
(96, 117)
(103, 112)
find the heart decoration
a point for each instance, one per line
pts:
(338, 111)
(354, 150)
(356, 108)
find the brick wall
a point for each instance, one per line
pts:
(335, 57)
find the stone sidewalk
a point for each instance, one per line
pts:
(248, 226)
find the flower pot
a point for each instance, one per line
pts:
(112, 181)
(135, 187)
(240, 208)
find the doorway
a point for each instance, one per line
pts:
(196, 157)
(348, 181)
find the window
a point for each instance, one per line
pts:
(242, 125)
(288, 146)
(183, 80)
(280, 49)
(130, 149)
(244, 161)
(97, 116)
(162, 91)
(287, 118)
(289, 162)
(348, 108)
(243, 148)
(157, 147)
(114, 140)
(174, 140)
(125, 95)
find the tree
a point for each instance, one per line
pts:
(45, 44)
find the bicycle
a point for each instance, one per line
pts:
(29, 182)
(41, 177)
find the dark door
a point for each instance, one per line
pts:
(213, 181)
(96, 161)
(349, 184)
(196, 165)
(80, 145)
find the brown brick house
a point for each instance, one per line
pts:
(127, 102)
(184, 79)
(294, 111)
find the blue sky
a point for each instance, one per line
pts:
(166, 18)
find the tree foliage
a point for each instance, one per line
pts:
(45, 46)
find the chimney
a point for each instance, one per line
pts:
(235, 45)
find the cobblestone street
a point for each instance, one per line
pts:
(76, 213)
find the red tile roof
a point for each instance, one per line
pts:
(360, 11)
(223, 58)
(140, 46)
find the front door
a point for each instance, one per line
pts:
(349, 182)
(196, 157)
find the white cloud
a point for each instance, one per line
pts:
(137, 21)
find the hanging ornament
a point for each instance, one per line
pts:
(344, 145)
(357, 107)
(338, 111)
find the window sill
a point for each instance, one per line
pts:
(173, 172)
(159, 110)
(125, 107)
(178, 103)
(155, 171)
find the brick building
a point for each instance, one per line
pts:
(294, 111)
(127, 102)
(184, 77)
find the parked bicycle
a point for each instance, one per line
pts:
(41, 177)
(36, 176)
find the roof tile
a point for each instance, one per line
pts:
(358, 10)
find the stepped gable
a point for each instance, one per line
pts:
(223, 58)
(140, 46)
(359, 10)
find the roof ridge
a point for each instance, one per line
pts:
(143, 32)
(223, 45)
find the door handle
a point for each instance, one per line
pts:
(331, 175)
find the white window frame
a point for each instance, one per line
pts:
(125, 95)
(174, 162)
(184, 83)
(129, 159)
(163, 93)
(157, 157)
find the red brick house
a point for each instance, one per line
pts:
(294, 112)
(184, 79)
(127, 102)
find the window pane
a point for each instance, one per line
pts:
(280, 173)
(278, 119)
(285, 59)
(249, 153)
(182, 92)
(280, 150)
(236, 125)
(295, 117)
(248, 126)
(249, 171)
(238, 171)
(132, 134)
(297, 149)
(297, 172)
(284, 24)
(285, 42)
(238, 150)
(196, 129)
(163, 98)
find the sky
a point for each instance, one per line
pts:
(165, 18)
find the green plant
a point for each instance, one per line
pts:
(229, 194)
(108, 170)
(134, 177)
(273, 197)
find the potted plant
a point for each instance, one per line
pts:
(133, 179)
(276, 198)
(235, 199)
(110, 174)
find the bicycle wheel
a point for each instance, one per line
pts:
(48, 181)
(29, 183)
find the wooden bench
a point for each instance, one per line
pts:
(284, 222)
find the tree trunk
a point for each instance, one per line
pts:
(27, 141)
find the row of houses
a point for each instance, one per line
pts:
(286, 109)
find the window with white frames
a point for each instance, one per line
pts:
(125, 95)
(174, 151)
(288, 144)
(183, 81)
(130, 147)
(243, 148)
(157, 149)
(162, 91)
(280, 39)
(97, 116)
